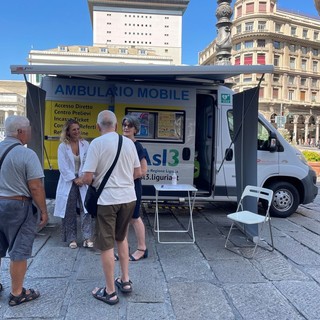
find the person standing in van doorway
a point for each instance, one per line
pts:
(130, 127)
(71, 192)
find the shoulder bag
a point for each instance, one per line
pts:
(92, 195)
(6, 152)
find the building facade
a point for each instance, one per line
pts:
(140, 23)
(262, 33)
(131, 31)
(12, 101)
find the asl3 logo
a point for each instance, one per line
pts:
(166, 158)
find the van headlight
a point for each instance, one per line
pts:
(302, 158)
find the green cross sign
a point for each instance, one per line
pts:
(225, 98)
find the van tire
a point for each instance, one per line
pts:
(285, 201)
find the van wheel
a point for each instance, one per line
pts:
(285, 201)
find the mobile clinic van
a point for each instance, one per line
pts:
(187, 126)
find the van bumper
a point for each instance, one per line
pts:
(310, 187)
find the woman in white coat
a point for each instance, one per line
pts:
(71, 192)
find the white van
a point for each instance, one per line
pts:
(187, 126)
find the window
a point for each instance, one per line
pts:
(261, 43)
(261, 25)
(303, 81)
(249, 26)
(261, 58)
(247, 78)
(62, 48)
(314, 66)
(292, 63)
(123, 51)
(314, 82)
(237, 61)
(276, 60)
(237, 46)
(293, 31)
(276, 78)
(239, 11)
(304, 64)
(248, 44)
(291, 79)
(278, 27)
(290, 95)
(83, 49)
(303, 50)
(262, 7)
(261, 92)
(250, 7)
(103, 50)
(143, 52)
(248, 59)
(315, 52)
(313, 97)
(302, 96)
(315, 35)
(239, 28)
(277, 45)
(292, 48)
(159, 125)
(262, 134)
(275, 93)
(305, 33)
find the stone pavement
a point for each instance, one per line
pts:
(190, 281)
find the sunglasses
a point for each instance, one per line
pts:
(128, 125)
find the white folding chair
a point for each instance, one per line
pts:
(246, 217)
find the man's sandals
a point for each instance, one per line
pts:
(123, 286)
(23, 297)
(102, 295)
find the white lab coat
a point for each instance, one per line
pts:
(67, 174)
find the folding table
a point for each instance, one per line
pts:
(191, 191)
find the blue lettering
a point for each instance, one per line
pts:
(59, 90)
(82, 91)
(153, 93)
(128, 92)
(164, 157)
(92, 93)
(157, 159)
(163, 94)
(70, 90)
(142, 93)
(147, 157)
(110, 92)
(185, 95)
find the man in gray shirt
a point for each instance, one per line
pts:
(20, 183)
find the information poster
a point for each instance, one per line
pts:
(166, 125)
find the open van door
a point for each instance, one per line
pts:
(205, 143)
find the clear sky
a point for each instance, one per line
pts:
(42, 24)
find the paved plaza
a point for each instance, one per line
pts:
(189, 281)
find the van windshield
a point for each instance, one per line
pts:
(263, 133)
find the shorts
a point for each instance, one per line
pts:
(18, 225)
(112, 224)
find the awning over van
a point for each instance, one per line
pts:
(204, 75)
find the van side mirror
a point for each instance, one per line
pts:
(272, 142)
